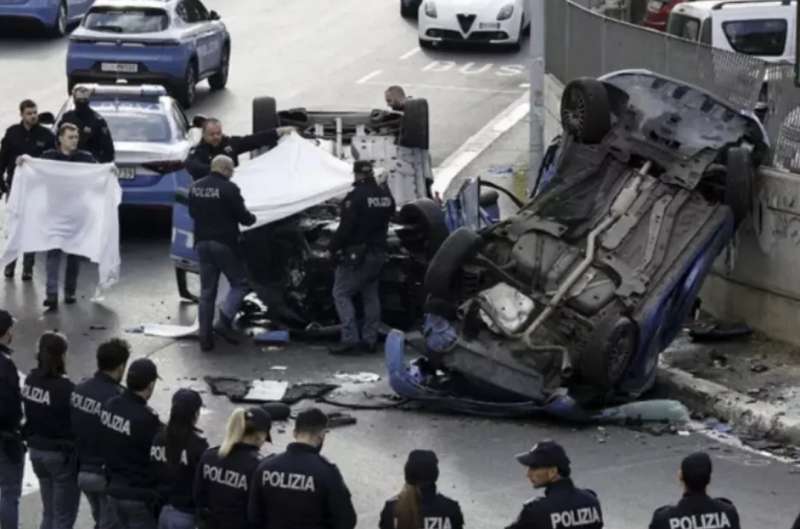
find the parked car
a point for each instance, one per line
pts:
(152, 138)
(174, 43)
(55, 16)
(495, 22)
(658, 12)
(582, 289)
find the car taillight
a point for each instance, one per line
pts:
(164, 167)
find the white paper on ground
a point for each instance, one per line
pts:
(267, 390)
(289, 178)
(359, 378)
(170, 331)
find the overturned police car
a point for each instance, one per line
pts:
(579, 292)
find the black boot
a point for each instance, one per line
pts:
(27, 275)
(207, 343)
(224, 327)
(9, 271)
(51, 302)
(69, 298)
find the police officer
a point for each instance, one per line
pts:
(66, 151)
(300, 488)
(95, 136)
(87, 402)
(12, 449)
(129, 427)
(48, 430)
(225, 473)
(563, 504)
(217, 207)
(26, 137)
(395, 98)
(176, 451)
(418, 504)
(214, 143)
(696, 508)
(360, 246)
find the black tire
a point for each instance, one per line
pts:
(426, 44)
(187, 89)
(614, 345)
(70, 85)
(425, 221)
(219, 80)
(59, 28)
(445, 267)
(585, 110)
(408, 11)
(415, 124)
(739, 183)
(265, 114)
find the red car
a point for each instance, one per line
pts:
(658, 12)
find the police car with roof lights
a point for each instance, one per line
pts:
(152, 138)
(55, 15)
(174, 43)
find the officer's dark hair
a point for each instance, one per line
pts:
(112, 354)
(52, 352)
(211, 121)
(396, 90)
(26, 104)
(311, 421)
(180, 426)
(67, 127)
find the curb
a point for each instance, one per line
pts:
(737, 409)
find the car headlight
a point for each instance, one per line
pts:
(505, 12)
(430, 9)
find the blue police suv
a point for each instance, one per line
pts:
(54, 15)
(173, 43)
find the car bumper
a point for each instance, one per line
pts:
(164, 65)
(494, 32)
(161, 193)
(41, 14)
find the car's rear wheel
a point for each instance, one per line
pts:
(585, 110)
(415, 124)
(445, 267)
(219, 80)
(188, 88)
(425, 44)
(59, 27)
(426, 227)
(265, 114)
(739, 182)
(613, 347)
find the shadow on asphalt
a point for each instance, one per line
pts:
(145, 224)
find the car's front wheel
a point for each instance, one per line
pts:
(219, 80)
(613, 347)
(187, 91)
(59, 27)
(408, 9)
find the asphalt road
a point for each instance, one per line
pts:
(344, 55)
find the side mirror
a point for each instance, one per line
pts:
(213, 15)
(47, 118)
(198, 121)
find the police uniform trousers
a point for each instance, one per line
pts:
(28, 260)
(363, 279)
(93, 485)
(215, 258)
(172, 518)
(133, 514)
(58, 485)
(12, 467)
(70, 275)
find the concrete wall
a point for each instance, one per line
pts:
(757, 279)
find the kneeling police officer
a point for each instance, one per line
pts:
(696, 508)
(563, 505)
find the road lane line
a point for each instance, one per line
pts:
(449, 87)
(369, 76)
(410, 53)
(449, 169)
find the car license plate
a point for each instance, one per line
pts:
(489, 25)
(119, 67)
(655, 6)
(127, 173)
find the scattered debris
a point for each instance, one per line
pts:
(97, 327)
(267, 390)
(758, 367)
(236, 389)
(362, 377)
(718, 359)
(337, 419)
(272, 337)
(684, 433)
(713, 331)
(279, 368)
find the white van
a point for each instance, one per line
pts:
(765, 29)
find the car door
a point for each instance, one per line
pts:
(208, 45)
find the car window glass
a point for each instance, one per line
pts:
(180, 121)
(188, 12)
(683, 26)
(126, 20)
(757, 37)
(202, 12)
(127, 125)
(705, 32)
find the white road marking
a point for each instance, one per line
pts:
(524, 85)
(369, 76)
(410, 53)
(450, 87)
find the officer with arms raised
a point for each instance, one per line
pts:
(129, 427)
(563, 504)
(217, 207)
(300, 488)
(696, 509)
(360, 244)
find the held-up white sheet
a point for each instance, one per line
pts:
(65, 205)
(291, 177)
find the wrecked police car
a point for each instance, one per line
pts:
(578, 293)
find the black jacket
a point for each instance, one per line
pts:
(129, 427)
(176, 478)
(436, 510)
(95, 134)
(77, 156)
(365, 215)
(198, 163)
(47, 406)
(10, 396)
(696, 510)
(563, 505)
(17, 141)
(222, 485)
(217, 207)
(300, 489)
(87, 402)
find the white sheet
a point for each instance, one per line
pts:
(65, 205)
(292, 177)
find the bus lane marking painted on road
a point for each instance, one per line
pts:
(473, 68)
(369, 76)
(449, 87)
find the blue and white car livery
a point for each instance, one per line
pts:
(54, 15)
(173, 43)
